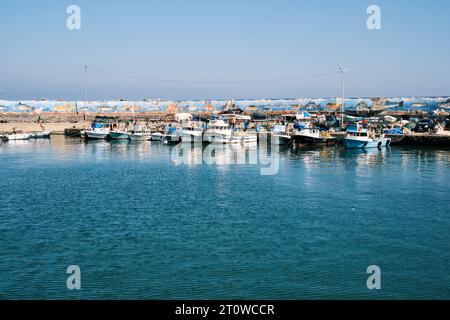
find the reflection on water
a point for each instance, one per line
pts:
(63, 149)
(150, 221)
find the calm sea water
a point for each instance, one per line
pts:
(142, 224)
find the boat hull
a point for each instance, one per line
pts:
(280, 140)
(249, 139)
(217, 138)
(139, 137)
(302, 140)
(157, 136)
(118, 135)
(171, 139)
(40, 135)
(192, 138)
(352, 143)
(16, 137)
(97, 135)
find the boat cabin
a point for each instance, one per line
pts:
(357, 130)
(218, 125)
(279, 129)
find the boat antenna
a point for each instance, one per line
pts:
(342, 71)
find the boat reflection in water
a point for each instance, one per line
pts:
(223, 154)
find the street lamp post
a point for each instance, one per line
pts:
(85, 85)
(343, 70)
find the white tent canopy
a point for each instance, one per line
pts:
(180, 117)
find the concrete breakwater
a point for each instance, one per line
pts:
(420, 139)
(58, 123)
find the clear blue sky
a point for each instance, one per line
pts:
(223, 40)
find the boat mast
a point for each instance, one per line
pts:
(342, 70)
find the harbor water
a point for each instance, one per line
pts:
(141, 223)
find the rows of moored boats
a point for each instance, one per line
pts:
(219, 131)
(216, 131)
(358, 135)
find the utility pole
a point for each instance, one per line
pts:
(85, 85)
(343, 70)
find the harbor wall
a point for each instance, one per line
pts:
(421, 139)
(58, 122)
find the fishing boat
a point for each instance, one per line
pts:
(279, 136)
(157, 136)
(249, 138)
(171, 137)
(191, 132)
(40, 135)
(97, 134)
(242, 137)
(18, 136)
(118, 135)
(310, 136)
(98, 131)
(139, 136)
(359, 137)
(218, 131)
(139, 133)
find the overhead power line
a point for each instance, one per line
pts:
(122, 75)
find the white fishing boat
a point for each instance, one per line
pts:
(139, 136)
(156, 136)
(40, 135)
(241, 137)
(250, 138)
(18, 136)
(279, 136)
(359, 137)
(218, 131)
(139, 133)
(192, 135)
(191, 132)
(99, 131)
